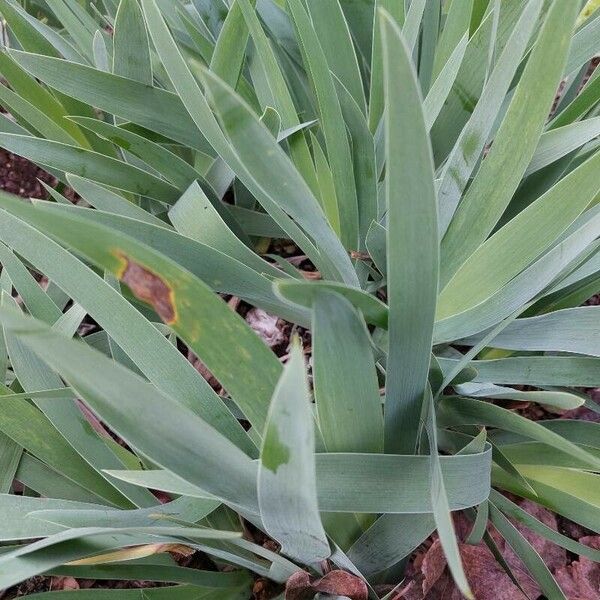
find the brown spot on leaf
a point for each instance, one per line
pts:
(148, 287)
(336, 583)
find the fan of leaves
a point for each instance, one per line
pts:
(405, 150)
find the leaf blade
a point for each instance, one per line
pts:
(287, 489)
(412, 284)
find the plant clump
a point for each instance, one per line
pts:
(328, 259)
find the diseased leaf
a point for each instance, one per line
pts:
(473, 138)
(158, 281)
(287, 489)
(371, 483)
(157, 358)
(380, 177)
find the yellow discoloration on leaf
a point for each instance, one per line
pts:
(194, 331)
(133, 553)
(122, 263)
(588, 10)
(147, 286)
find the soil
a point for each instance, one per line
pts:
(37, 585)
(21, 177)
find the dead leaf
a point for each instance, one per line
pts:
(267, 326)
(64, 583)
(337, 583)
(134, 552)
(299, 587)
(553, 555)
(341, 583)
(583, 413)
(486, 577)
(581, 579)
(444, 589)
(433, 565)
(264, 589)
